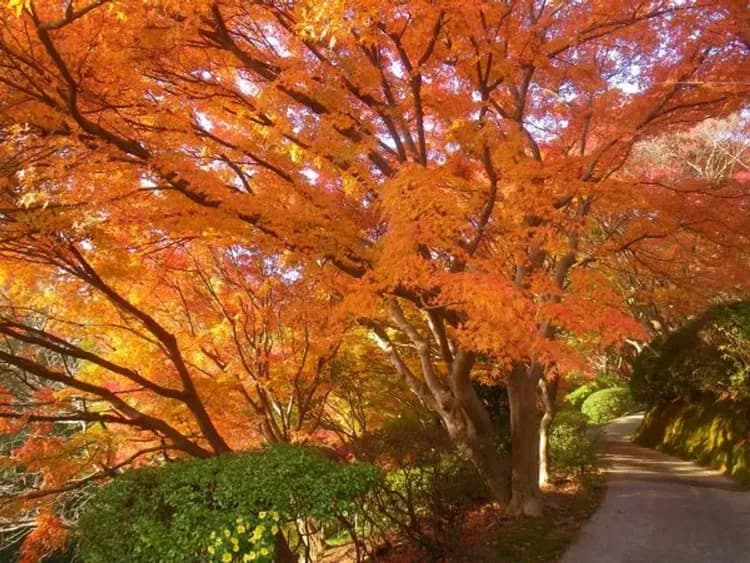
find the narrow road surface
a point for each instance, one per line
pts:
(661, 509)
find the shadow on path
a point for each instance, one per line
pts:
(635, 462)
(662, 509)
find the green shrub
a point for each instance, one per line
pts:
(416, 435)
(405, 441)
(571, 417)
(607, 404)
(576, 397)
(411, 442)
(603, 381)
(573, 450)
(167, 514)
(423, 504)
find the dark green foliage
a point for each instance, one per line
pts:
(698, 381)
(414, 442)
(573, 450)
(711, 432)
(607, 404)
(710, 355)
(167, 514)
(12, 553)
(576, 397)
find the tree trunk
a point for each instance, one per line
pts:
(480, 437)
(282, 551)
(544, 425)
(450, 395)
(492, 467)
(548, 393)
(471, 430)
(313, 538)
(524, 429)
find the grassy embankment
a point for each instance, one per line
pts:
(713, 433)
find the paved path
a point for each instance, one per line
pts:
(661, 509)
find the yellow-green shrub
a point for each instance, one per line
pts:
(608, 404)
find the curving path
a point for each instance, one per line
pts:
(659, 508)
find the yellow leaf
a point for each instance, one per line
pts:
(295, 153)
(19, 6)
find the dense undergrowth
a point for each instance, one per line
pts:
(415, 492)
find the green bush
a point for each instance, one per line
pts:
(571, 417)
(603, 381)
(576, 397)
(424, 505)
(573, 451)
(607, 404)
(167, 514)
(411, 442)
(405, 441)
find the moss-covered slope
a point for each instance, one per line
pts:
(713, 433)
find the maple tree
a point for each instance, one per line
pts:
(688, 224)
(457, 173)
(196, 357)
(694, 232)
(714, 152)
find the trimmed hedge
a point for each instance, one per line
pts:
(168, 514)
(603, 381)
(607, 404)
(713, 433)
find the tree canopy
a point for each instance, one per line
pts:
(202, 202)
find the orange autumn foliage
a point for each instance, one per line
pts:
(46, 538)
(454, 177)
